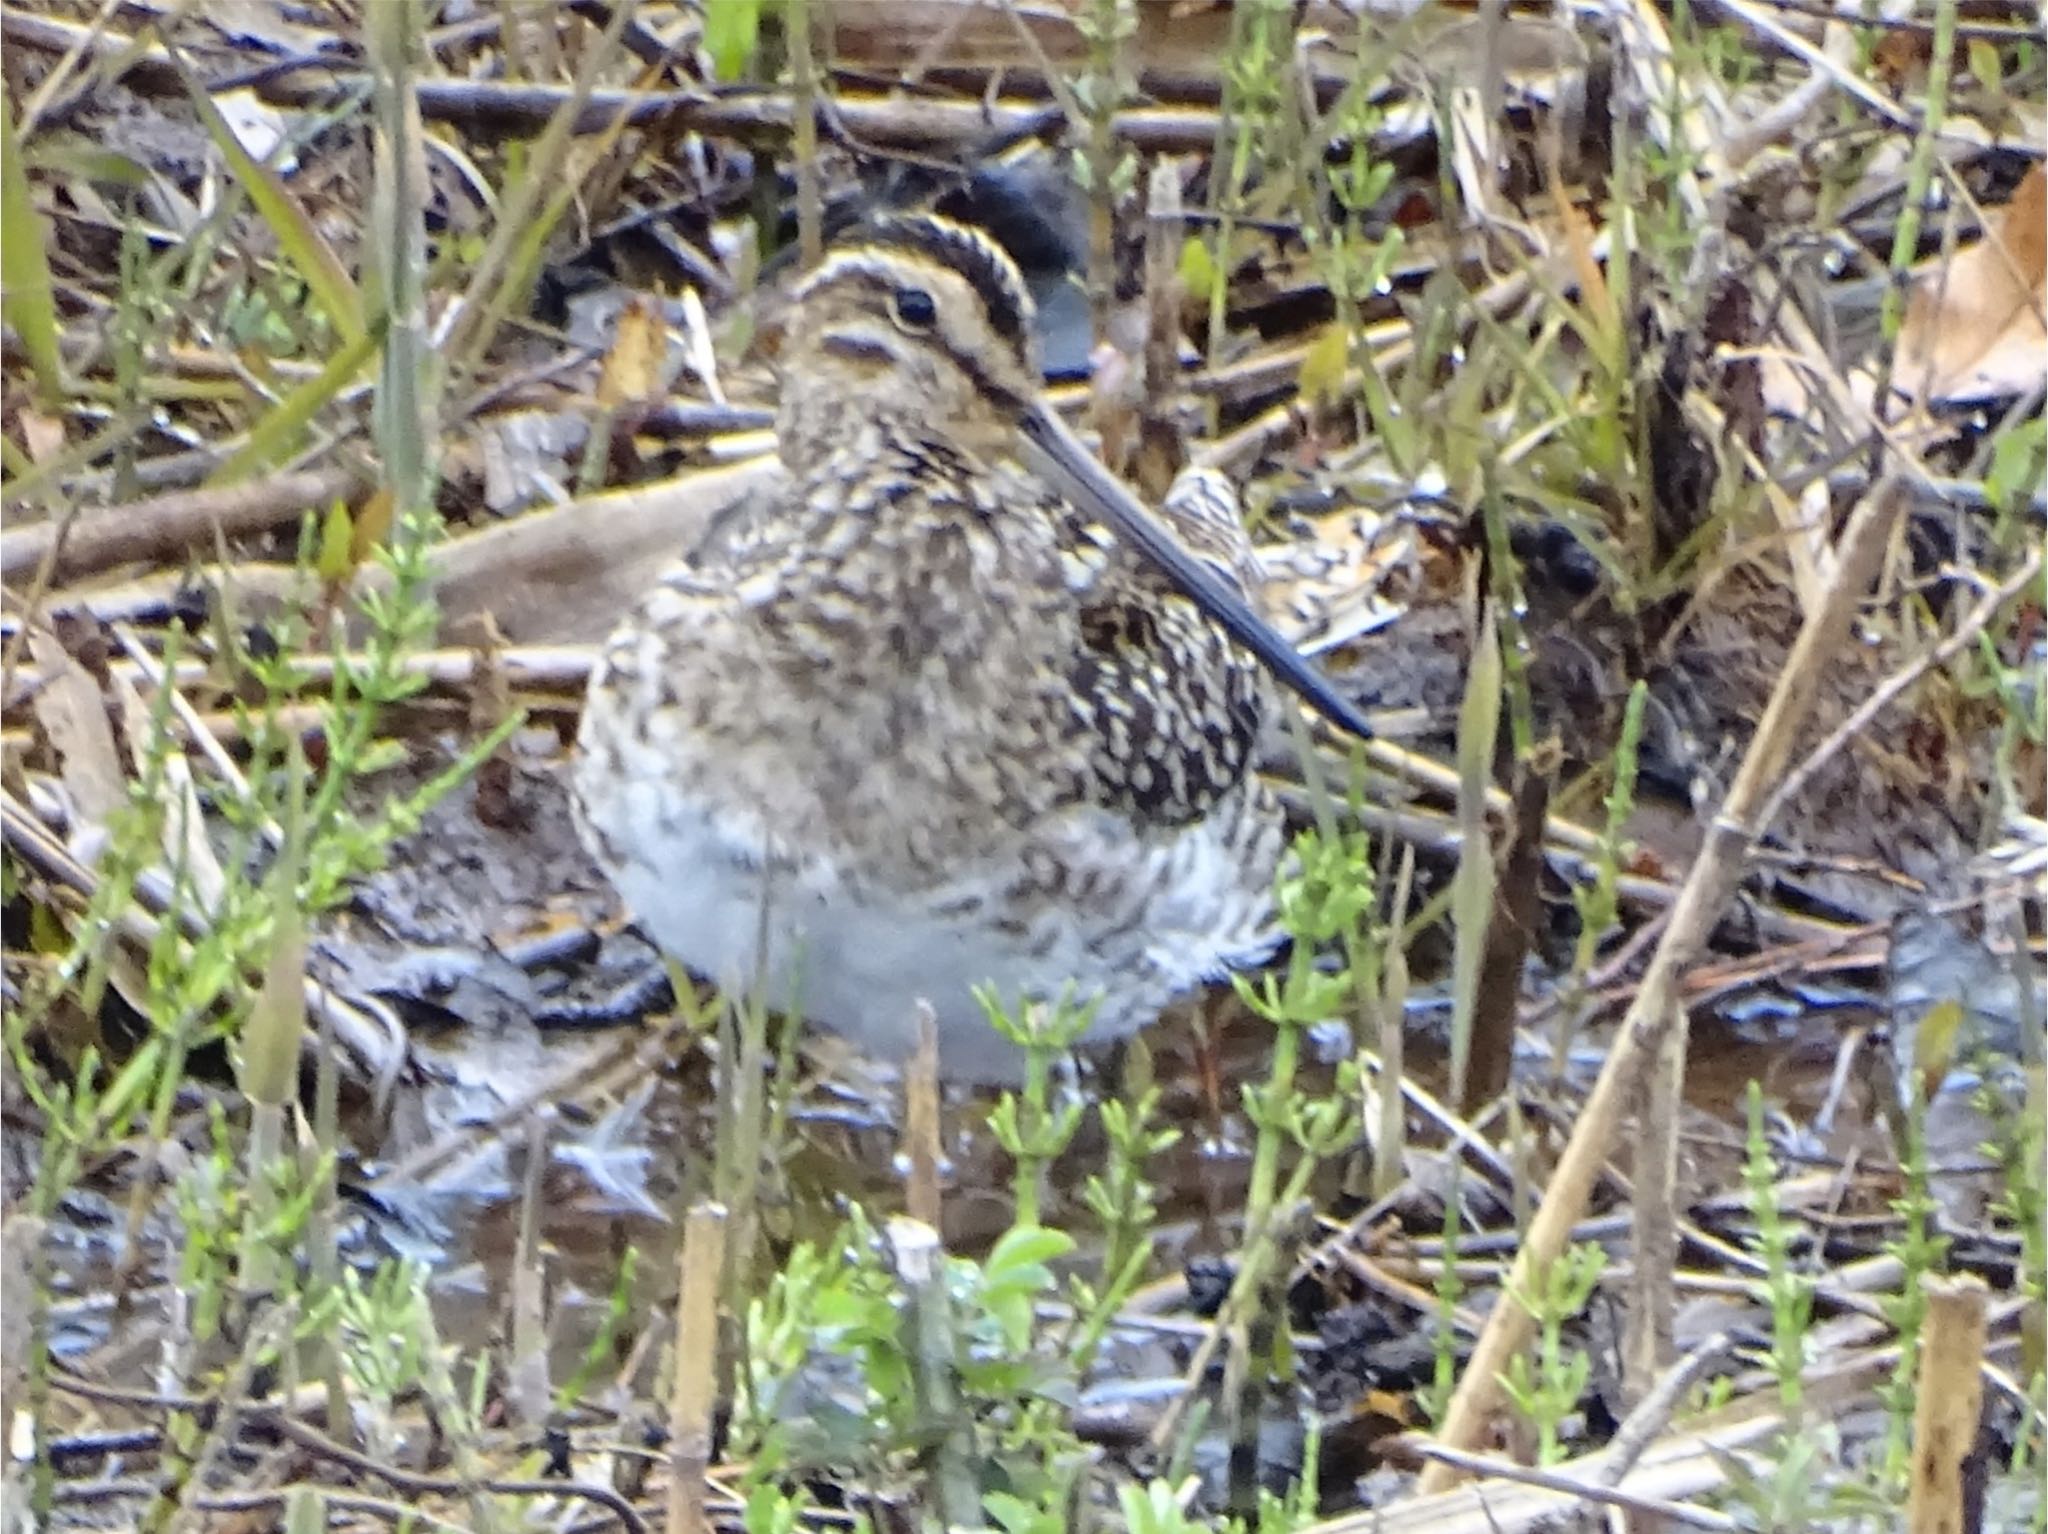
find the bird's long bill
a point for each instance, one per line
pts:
(1096, 491)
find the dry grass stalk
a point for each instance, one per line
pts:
(1646, 1343)
(1888, 691)
(921, 1122)
(1678, 1467)
(1949, 1403)
(527, 1390)
(696, 1367)
(1661, 1511)
(1653, 1412)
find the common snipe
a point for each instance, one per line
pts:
(946, 706)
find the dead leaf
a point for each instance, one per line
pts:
(1900, 59)
(1974, 328)
(73, 713)
(632, 368)
(42, 435)
(372, 525)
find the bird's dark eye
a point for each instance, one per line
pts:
(913, 308)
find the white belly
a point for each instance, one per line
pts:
(859, 961)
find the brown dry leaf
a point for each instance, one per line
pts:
(1901, 57)
(632, 368)
(1974, 326)
(73, 713)
(372, 525)
(42, 435)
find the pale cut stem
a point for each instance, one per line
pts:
(921, 1196)
(1949, 1401)
(920, 1261)
(696, 1367)
(1646, 1342)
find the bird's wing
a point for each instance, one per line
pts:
(1173, 707)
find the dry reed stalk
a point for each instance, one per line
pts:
(696, 1367)
(1949, 1402)
(170, 526)
(1646, 1341)
(921, 1121)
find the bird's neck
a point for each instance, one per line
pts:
(917, 547)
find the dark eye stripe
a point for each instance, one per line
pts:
(979, 259)
(886, 272)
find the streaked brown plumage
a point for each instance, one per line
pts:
(919, 720)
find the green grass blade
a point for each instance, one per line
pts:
(314, 258)
(272, 436)
(732, 28)
(30, 300)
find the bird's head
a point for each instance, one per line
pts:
(917, 317)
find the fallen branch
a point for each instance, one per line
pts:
(168, 527)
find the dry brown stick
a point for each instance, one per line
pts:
(1840, 75)
(415, 1485)
(1684, 1464)
(921, 1196)
(149, 66)
(1684, 1514)
(59, 77)
(1707, 888)
(1646, 1338)
(1649, 1416)
(1433, 832)
(523, 668)
(528, 1394)
(167, 526)
(696, 1367)
(1950, 1399)
(752, 117)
